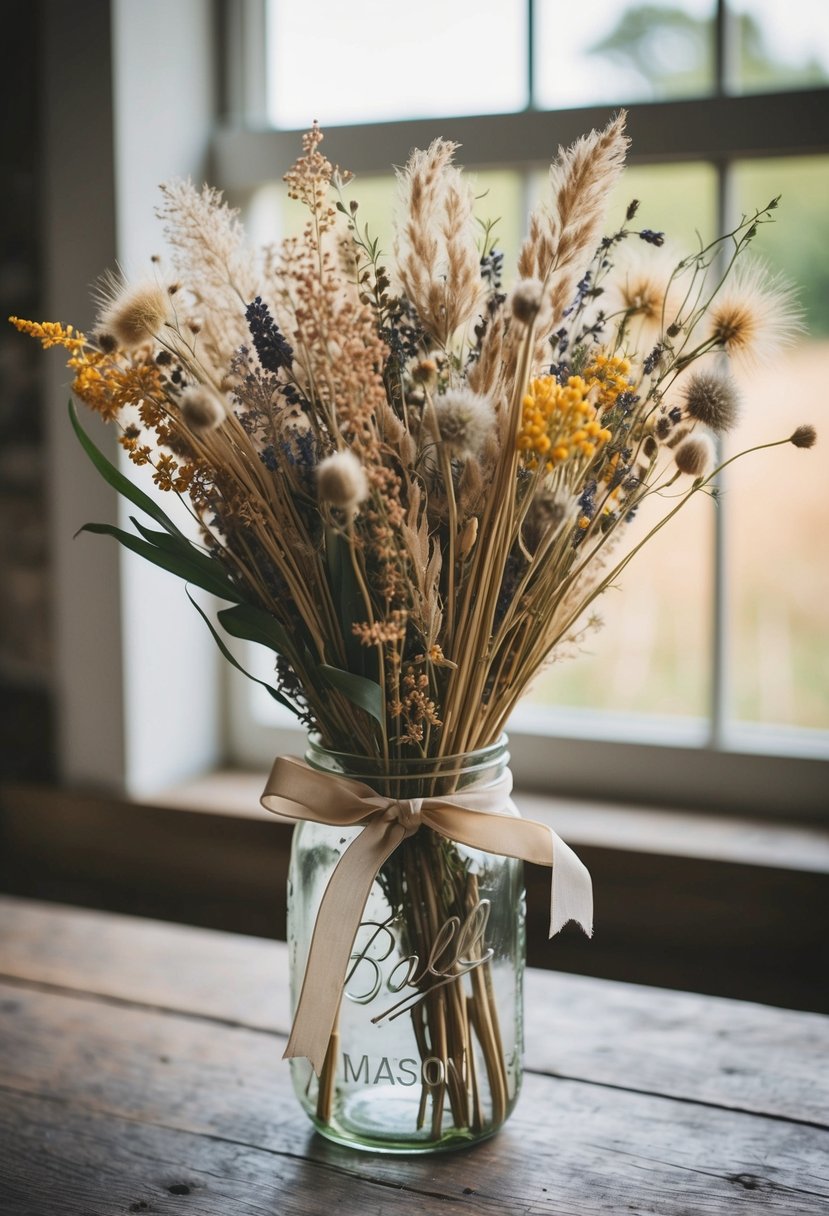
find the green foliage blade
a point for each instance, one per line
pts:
(253, 624)
(194, 557)
(277, 696)
(178, 563)
(117, 479)
(347, 597)
(362, 692)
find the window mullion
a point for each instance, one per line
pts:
(719, 690)
(531, 100)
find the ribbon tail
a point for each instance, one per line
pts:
(336, 927)
(571, 895)
(571, 890)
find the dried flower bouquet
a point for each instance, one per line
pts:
(409, 485)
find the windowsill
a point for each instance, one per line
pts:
(675, 833)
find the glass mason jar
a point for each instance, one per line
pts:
(426, 1053)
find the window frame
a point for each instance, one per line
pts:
(714, 764)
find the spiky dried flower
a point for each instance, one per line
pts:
(465, 421)
(754, 315)
(201, 409)
(695, 456)
(342, 481)
(135, 314)
(712, 398)
(804, 436)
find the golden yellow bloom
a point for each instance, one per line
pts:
(609, 375)
(52, 333)
(165, 469)
(559, 421)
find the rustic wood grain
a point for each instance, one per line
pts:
(730, 1053)
(103, 1107)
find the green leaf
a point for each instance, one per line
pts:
(176, 563)
(117, 479)
(277, 696)
(348, 599)
(196, 558)
(362, 692)
(253, 624)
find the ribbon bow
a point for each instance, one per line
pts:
(482, 817)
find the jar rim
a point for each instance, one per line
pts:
(460, 763)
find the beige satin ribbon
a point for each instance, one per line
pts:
(480, 816)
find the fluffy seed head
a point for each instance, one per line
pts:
(526, 300)
(804, 437)
(754, 315)
(695, 456)
(465, 421)
(712, 399)
(643, 283)
(136, 314)
(200, 409)
(342, 481)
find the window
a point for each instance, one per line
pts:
(716, 651)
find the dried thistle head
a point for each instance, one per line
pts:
(695, 456)
(201, 409)
(804, 436)
(712, 398)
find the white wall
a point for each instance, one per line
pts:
(129, 97)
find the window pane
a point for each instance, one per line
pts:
(271, 215)
(601, 50)
(653, 654)
(375, 61)
(779, 45)
(778, 507)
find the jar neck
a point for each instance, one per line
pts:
(421, 777)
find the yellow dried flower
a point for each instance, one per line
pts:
(559, 421)
(51, 333)
(608, 375)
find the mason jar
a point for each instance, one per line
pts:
(426, 1052)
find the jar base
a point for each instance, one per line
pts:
(382, 1124)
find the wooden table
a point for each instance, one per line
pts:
(140, 1071)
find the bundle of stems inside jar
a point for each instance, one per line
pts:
(409, 484)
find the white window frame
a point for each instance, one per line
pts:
(711, 763)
